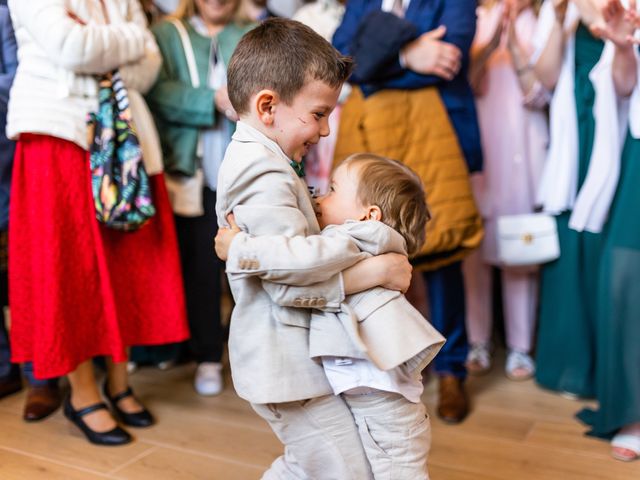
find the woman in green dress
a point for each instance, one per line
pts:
(617, 373)
(565, 346)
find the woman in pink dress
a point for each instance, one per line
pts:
(514, 134)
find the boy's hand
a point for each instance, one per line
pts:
(397, 271)
(224, 238)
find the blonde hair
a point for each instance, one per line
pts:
(397, 191)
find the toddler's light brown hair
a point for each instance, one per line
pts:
(397, 191)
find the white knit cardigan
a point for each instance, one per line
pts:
(55, 86)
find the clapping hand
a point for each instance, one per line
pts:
(618, 24)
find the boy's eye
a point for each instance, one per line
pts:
(331, 189)
(318, 115)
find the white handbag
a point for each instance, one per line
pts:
(527, 239)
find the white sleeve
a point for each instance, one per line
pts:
(90, 49)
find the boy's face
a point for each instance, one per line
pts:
(341, 203)
(298, 126)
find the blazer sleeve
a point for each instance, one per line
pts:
(141, 74)
(171, 98)
(376, 47)
(89, 49)
(278, 248)
(321, 296)
(9, 57)
(371, 237)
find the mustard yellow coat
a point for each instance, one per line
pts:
(413, 126)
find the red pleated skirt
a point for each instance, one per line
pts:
(76, 288)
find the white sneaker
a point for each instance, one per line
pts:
(132, 367)
(520, 366)
(208, 380)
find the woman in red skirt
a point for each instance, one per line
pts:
(77, 289)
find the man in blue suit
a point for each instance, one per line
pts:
(407, 45)
(43, 397)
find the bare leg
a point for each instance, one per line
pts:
(118, 379)
(84, 392)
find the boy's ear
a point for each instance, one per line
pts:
(374, 213)
(265, 102)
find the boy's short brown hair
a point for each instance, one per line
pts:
(282, 55)
(399, 193)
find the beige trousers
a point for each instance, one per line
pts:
(320, 440)
(395, 432)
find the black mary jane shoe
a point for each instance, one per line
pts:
(138, 419)
(113, 437)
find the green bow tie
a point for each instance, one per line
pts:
(298, 167)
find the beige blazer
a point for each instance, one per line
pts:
(268, 343)
(379, 325)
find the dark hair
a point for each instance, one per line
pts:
(282, 55)
(399, 193)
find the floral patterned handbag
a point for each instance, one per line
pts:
(120, 184)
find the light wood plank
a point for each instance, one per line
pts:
(56, 439)
(17, 466)
(169, 464)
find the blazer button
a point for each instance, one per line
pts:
(255, 264)
(306, 302)
(322, 302)
(297, 302)
(242, 263)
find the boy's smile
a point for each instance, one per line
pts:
(298, 126)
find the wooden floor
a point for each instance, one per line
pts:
(516, 431)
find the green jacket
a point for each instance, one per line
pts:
(181, 111)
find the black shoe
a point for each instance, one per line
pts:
(139, 419)
(116, 436)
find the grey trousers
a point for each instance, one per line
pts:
(395, 432)
(320, 438)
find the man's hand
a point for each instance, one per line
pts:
(429, 55)
(224, 238)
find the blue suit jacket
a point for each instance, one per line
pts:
(8, 65)
(374, 39)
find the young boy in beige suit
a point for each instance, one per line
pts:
(374, 350)
(283, 82)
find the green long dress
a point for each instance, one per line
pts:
(618, 320)
(565, 354)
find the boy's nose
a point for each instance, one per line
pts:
(324, 127)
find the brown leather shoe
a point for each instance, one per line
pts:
(41, 402)
(10, 385)
(452, 401)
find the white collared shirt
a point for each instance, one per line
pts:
(387, 5)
